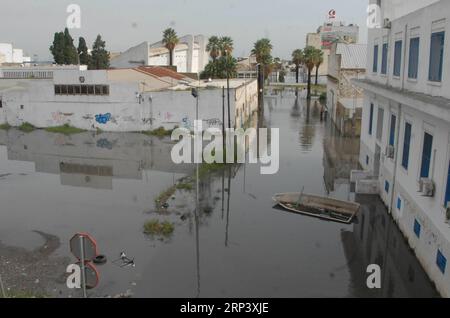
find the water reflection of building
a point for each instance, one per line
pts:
(376, 240)
(93, 160)
(341, 156)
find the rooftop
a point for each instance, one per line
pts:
(353, 55)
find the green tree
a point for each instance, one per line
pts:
(223, 66)
(226, 45)
(170, 41)
(100, 57)
(310, 57)
(70, 52)
(57, 48)
(213, 47)
(263, 51)
(318, 60)
(297, 59)
(83, 55)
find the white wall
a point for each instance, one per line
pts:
(133, 57)
(34, 101)
(420, 23)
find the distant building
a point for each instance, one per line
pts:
(190, 55)
(246, 67)
(329, 33)
(11, 55)
(344, 99)
(315, 40)
(405, 137)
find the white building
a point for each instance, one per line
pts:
(139, 99)
(11, 55)
(405, 138)
(190, 55)
(344, 99)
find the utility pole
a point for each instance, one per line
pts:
(223, 122)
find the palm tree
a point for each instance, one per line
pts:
(318, 60)
(170, 41)
(214, 47)
(263, 51)
(226, 45)
(310, 56)
(297, 59)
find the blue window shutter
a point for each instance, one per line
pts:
(447, 193)
(386, 186)
(426, 156)
(399, 203)
(406, 146)
(375, 59)
(371, 119)
(436, 56)
(417, 228)
(413, 69)
(384, 59)
(397, 58)
(441, 261)
(392, 132)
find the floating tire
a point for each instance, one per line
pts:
(100, 259)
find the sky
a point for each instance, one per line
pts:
(31, 24)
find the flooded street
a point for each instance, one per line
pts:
(53, 186)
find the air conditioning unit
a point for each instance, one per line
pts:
(390, 152)
(426, 187)
(387, 24)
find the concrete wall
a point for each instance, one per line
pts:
(126, 108)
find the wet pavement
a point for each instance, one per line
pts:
(236, 245)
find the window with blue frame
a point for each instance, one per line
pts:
(406, 145)
(375, 58)
(384, 57)
(392, 131)
(413, 68)
(441, 261)
(386, 186)
(397, 58)
(447, 192)
(371, 119)
(436, 56)
(399, 203)
(426, 156)
(417, 228)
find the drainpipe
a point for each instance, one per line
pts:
(394, 178)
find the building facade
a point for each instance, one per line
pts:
(405, 137)
(344, 99)
(126, 100)
(11, 55)
(189, 56)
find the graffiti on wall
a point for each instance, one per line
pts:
(103, 118)
(213, 122)
(60, 118)
(186, 122)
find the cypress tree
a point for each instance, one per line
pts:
(83, 54)
(100, 57)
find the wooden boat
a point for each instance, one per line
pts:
(320, 207)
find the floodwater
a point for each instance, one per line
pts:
(237, 244)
